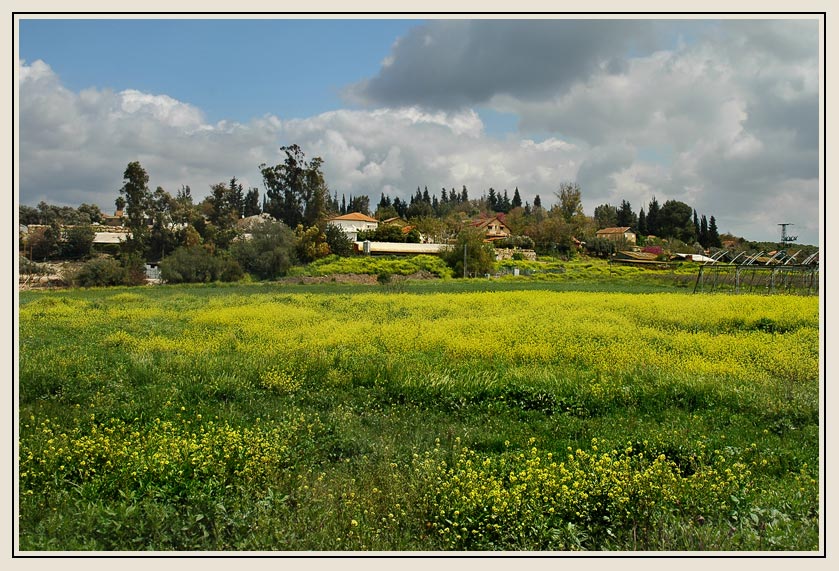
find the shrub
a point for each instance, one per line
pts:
(268, 253)
(311, 243)
(337, 240)
(523, 242)
(101, 272)
(196, 264)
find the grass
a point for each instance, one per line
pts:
(508, 414)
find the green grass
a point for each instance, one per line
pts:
(447, 414)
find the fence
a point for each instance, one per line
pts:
(800, 280)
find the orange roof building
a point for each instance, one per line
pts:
(353, 223)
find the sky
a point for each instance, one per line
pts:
(721, 114)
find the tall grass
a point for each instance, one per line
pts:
(334, 418)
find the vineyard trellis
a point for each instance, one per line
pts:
(748, 277)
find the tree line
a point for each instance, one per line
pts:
(206, 235)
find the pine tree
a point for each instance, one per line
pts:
(492, 200)
(696, 228)
(516, 203)
(703, 232)
(713, 234)
(504, 204)
(652, 217)
(625, 216)
(642, 223)
(537, 202)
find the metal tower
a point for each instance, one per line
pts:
(784, 238)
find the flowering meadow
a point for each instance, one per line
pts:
(267, 417)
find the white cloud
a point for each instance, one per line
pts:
(75, 146)
(720, 122)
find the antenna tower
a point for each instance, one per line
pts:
(784, 238)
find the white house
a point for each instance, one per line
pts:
(353, 223)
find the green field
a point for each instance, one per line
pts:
(511, 414)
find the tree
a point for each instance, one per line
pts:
(316, 194)
(675, 221)
(137, 199)
(713, 234)
(696, 227)
(605, 216)
(652, 218)
(91, 212)
(295, 189)
(703, 232)
(570, 201)
(642, 223)
(470, 255)
(196, 264)
(270, 251)
(43, 243)
(251, 203)
(27, 215)
(625, 215)
(537, 202)
(504, 204)
(360, 204)
(552, 235)
(492, 200)
(163, 238)
(338, 241)
(516, 202)
(78, 242)
(310, 243)
(600, 247)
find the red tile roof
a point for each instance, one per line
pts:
(355, 217)
(619, 230)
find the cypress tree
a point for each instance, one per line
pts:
(642, 223)
(516, 203)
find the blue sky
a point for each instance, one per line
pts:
(231, 69)
(720, 114)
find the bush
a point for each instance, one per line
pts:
(269, 253)
(196, 264)
(101, 272)
(600, 247)
(338, 241)
(522, 242)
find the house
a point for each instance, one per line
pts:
(618, 234)
(494, 227)
(115, 220)
(396, 220)
(353, 223)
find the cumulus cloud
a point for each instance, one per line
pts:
(725, 119)
(734, 103)
(75, 146)
(462, 63)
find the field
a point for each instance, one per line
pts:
(440, 415)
